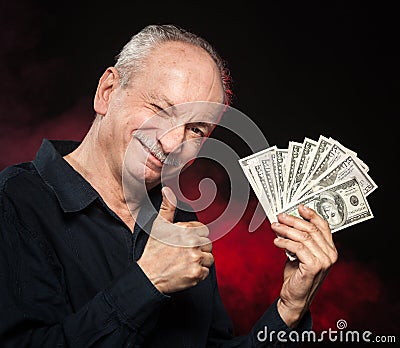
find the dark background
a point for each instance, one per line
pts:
(298, 69)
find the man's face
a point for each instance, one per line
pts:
(162, 118)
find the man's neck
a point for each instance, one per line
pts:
(89, 161)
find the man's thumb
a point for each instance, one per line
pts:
(168, 204)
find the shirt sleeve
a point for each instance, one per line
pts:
(34, 307)
(269, 331)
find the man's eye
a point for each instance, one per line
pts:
(197, 131)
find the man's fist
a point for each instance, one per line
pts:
(177, 255)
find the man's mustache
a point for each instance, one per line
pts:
(156, 150)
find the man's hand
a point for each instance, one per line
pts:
(177, 255)
(311, 240)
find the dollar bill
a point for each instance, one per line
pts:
(268, 172)
(254, 173)
(346, 168)
(307, 151)
(279, 159)
(342, 204)
(351, 152)
(266, 197)
(324, 175)
(293, 158)
(335, 153)
(323, 146)
(247, 165)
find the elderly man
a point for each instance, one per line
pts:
(77, 267)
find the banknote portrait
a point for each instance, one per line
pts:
(332, 207)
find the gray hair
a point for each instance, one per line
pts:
(133, 54)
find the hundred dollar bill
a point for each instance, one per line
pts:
(262, 180)
(346, 168)
(344, 148)
(250, 165)
(323, 146)
(334, 155)
(265, 158)
(351, 152)
(246, 164)
(306, 154)
(279, 169)
(342, 204)
(293, 158)
(264, 198)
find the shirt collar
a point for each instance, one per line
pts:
(73, 192)
(149, 210)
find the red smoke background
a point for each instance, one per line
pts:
(46, 88)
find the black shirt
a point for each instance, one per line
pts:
(69, 276)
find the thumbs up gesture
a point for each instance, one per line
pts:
(177, 255)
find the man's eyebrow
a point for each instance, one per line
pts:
(202, 124)
(162, 100)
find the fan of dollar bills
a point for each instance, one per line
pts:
(322, 174)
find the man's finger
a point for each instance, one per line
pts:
(207, 260)
(316, 219)
(205, 245)
(315, 226)
(168, 204)
(194, 227)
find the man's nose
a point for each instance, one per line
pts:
(172, 139)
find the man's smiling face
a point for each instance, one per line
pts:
(165, 113)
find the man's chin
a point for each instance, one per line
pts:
(151, 177)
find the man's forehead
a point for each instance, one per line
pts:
(178, 48)
(179, 72)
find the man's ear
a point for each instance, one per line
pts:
(107, 84)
